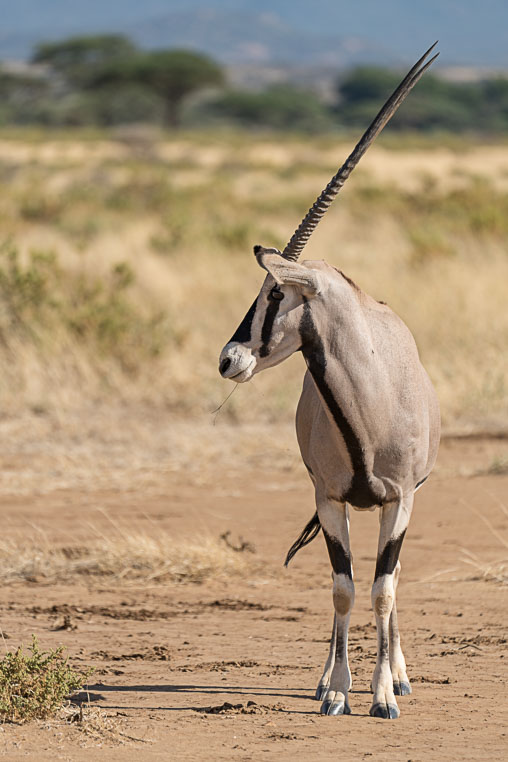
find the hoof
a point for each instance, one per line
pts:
(386, 711)
(401, 689)
(334, 708)
(321, 692)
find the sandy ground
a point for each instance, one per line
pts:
(165, 653)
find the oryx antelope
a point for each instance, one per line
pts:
(367, 420)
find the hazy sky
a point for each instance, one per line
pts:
(470, 31)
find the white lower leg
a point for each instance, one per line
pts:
(334, 520)
(340, 679)
(324, 683)
(401, 685)
(394, 519)
(383, 702)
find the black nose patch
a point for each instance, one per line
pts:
(257, 248)
(224, 365)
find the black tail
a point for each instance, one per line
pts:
(311, 530)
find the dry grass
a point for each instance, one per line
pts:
(98, 726)
(109, 447)
(493, 571)
(124, 557)
(422, 228)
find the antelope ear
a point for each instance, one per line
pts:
(286, 272)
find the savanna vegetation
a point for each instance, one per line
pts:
(126, 264)
(105, 80)
(34, 684)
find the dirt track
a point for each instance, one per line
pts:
(162, 652)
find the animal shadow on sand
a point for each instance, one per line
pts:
(197, 690)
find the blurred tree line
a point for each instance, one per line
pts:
(106, 80)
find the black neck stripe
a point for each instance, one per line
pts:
(359, 493)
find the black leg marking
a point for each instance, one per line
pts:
(360, 492)
(387, 561)
(243, 332)
(421, 481)
(340, 646)
(266, 331)
(383, 647)
(340, 559)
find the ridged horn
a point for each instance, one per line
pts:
(308, 225)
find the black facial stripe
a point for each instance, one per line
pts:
(387, 561)
(242, 333)
(359, 493)
(340, 560)
(266, 331)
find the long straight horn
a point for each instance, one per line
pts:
(308, 225)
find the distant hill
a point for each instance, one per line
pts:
(320, 33)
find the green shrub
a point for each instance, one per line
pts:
(37, 297)
(100, 312)
(35, 684)
(26, 290)
(280, 107)
(428, 243)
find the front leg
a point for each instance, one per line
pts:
(334, 519)
(394, 520)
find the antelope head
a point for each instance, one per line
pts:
(269, 332)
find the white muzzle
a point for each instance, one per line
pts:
(236, 362)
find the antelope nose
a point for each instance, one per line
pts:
(224, 365)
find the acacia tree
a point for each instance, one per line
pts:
(24, 96)
(78, 59)
(171, 74)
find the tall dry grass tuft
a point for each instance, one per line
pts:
(124, 557)
(491, 571)
(151, 269)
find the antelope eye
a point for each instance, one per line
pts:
(276, 295)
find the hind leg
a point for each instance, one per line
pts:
(401, 685)
(394, 522)
(324, 683)
(334, 519)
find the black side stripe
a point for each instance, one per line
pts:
(309, 469)
(387, 561)
(243, 332)
(359, 493)
(340, 559)
(266, 331)
(421, 481)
